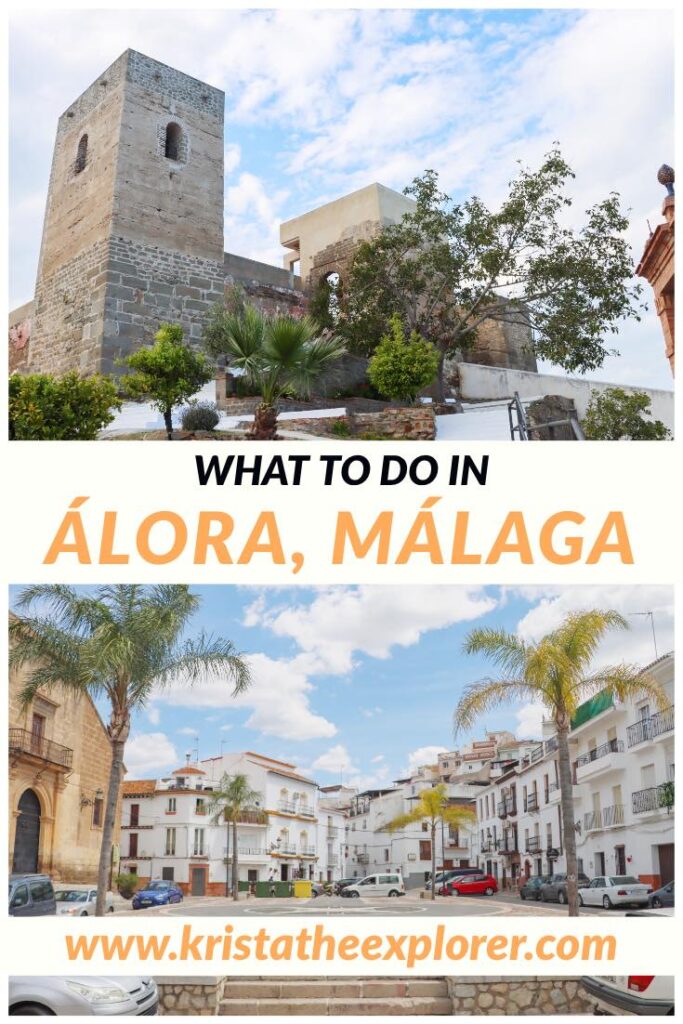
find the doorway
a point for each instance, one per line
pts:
(284, 872)
(198, 882)
(27, 837)
(620, 859)
(666, 862)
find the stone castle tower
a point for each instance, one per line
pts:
(133, 231)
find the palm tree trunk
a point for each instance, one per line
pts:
(227, 857)
(567, 803)
(168, 423)
(235, 881)
(113, 787)
(434, 859)
(265, 422)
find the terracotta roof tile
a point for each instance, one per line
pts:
(133, 786)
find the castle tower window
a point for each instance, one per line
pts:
(81, 154)
(174, 139)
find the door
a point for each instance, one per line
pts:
(600, 862)
(37, 733)
(27, 837)
(620, 859)
(666, 862)
(134, 815)
(199, 881)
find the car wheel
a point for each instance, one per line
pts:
(455, 892)
(606, 902)
(521, 894)
(561, 898)
(544, 897)
(538, 897)
(488, 892)
(394, 893)
(110, 910)
(30, 1010)
(354, 895)
(580, 898)
(83, 913)
(656, 902)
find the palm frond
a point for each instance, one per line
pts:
(487, 695)
(507, 651)
(623, 682)
(581, 634)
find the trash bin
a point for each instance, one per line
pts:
(303, 890)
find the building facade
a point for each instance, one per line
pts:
(59, 762)
(657, 265)
(623, 773)
(288, 834)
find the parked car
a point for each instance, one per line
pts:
(663, 897)
(444, 876)
(75, 901)
(555, 889)
(342, 883)
(531, 890)
(82, 996)
(632, 994)
(614, 891)
(157, 894)
(390, 884)
(470, 885)
(31, 896)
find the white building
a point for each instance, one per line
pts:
(623, 769)
(167, 833)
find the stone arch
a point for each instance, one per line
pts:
(27, 836)
(174, 142)
(81, 154)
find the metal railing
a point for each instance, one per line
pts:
(250, 851)
(653, 798)
(611, 747)
(534, 844)
(532, 802)
(21, 741)
(307, 851)
(649, 728)
(288, 807)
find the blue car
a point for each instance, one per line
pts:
(157, 894)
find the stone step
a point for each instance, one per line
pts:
(389, 1006)
(334, 988)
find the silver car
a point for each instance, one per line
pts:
(615, 891)
(75, 901)
(82, 996)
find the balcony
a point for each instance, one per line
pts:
(332, 831)
(608, 817)
(457, 843)
(250, 851)
(654, 799)
(608, 757)
(363, 858)
(252, 818)
(534, 844)
(332, 860)
(307, 851)
(502, 809)
(287, 807)
(532, 803)
(283, 851)
(551, 745)
(27, 744)
(651, 728)
(487, 846)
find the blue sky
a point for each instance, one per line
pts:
(359, 683)
(319, 103)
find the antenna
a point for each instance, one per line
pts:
(652, 623)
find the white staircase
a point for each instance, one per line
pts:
(335, 997)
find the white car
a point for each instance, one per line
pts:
(82, 996)
(76, 901)
(613, 891)
(390, 884)
(632, 994)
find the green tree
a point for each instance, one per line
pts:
(447, 267)
(230, 800)
(119, 644)
(433, 807)
(615, 414)
(402, 367)
(169, 373)
(556, 672)
(67, 408)
(284, 356)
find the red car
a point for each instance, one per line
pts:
(471, 885)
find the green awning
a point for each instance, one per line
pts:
(590, 708)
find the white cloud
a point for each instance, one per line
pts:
(530, 721)
(335, 761)
(423, 756)
(187, 730)
(377, 759)
(153, 714)
(371, 712)
(147, 753)
(226, 728)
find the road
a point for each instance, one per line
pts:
(501, 905)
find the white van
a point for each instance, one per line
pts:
(390, 884)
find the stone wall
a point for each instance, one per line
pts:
(517, 996)
(185, 997)
(551, 409)
(396, 424)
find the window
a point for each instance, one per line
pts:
(20, 898)
(425, 826)
(167, 874)
(173, 142)
(133, 844)
(425, 849)
(198, 847)
(97, 807)
(386, 856)
(135, 815)
(81, 154)
(170, 842)
(41, 891)
(199, 805)
(170, 806)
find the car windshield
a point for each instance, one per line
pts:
(71, 896)
(157, 886)
(623, 880)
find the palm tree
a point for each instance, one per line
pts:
(433, 807)
(230, 800)
(121, 644)
(281, 356)
(555, 671)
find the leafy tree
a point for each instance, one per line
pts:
(67, 408)
(402, 367)
(434, 808)
(284, 356)
(447, 267)
(555, 671)
(169, 373)
(614, 414)
(119, 644)
(231, 798)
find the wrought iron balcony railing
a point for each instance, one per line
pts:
(653, 798)
(21, 741)
(649, 728)
(611, 747)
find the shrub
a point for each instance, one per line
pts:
(614, 414)
(67, 408)
(402, 367)
(127, 884)
(200, 416)
(340, 428)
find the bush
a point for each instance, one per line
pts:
(402, 367)
(200, 416)
(340, 428)
(614, 414)
(126, 885)
(67, 408)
